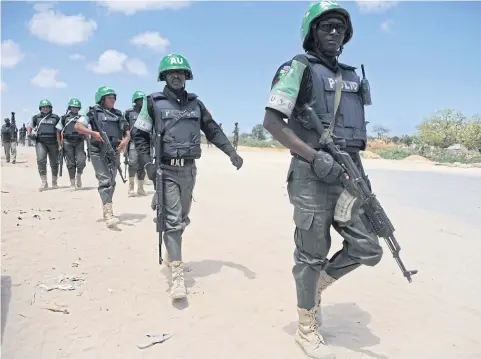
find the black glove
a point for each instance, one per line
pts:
(236, 160)
(325, 167)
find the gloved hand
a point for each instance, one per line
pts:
(236, 160)
(325, 167)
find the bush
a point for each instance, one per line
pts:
(394, 153)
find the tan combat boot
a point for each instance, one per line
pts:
(178, 290)
(54, 182)
(324, 281)
(109, 217)
(72, 183)
(131, 187)
(44, 184)
(140, 188)
(309, 338)
(79, 180)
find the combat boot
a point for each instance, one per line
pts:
(79, 180)
(109, 217)
(44, 184)
(178, 290)
(131, 187)
(54, 182)
(72, 182)
(309, 338)
(324, 281)
(140, 188)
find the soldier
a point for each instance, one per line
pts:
(72, 142)
(42, 129)
(22, 133)
(7, 141)
(314, 183)
(131, 116)
(117, 130)
(236, 135)
(179, 116)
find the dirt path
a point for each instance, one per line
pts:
(241, 301)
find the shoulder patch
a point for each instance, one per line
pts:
(284, 70)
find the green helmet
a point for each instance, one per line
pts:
(104, 91)
(318, 9)
(45, 102)
(174, 62)
(75, 102)
(137, 95)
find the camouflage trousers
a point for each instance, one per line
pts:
(105, 173)
(314, 202)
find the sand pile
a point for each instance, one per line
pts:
(417, 158)
(370, 155)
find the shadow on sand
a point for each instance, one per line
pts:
(346, 325)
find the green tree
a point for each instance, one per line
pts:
(381, 131)
(259, 133)
(442, 129)
(470, 136)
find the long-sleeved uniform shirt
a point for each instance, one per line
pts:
(211, 129)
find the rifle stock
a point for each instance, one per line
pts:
(357, 184)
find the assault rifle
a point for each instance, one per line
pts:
(156, 171)
(126, 160)
(357, 186)
(109, 151)
(60, 160)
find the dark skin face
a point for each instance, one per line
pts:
(329, 33)
(138, 103)
(175, 80)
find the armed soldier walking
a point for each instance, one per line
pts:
(72, 143)
(334, 91)
(22, 134)
(131, 153)
(42, 129)
(177, 117)
(236, 136)
(9, 141)
(117, 133)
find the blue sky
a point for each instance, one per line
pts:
(419, 56)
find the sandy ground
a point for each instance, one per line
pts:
(241, 301)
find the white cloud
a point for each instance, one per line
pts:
(47, 78)
(11, 54)
(152, 40)
(76, 57)
(375, 6)
(26, 110)
(109, 62)
(112, 61)
(386, 25)
(131, 7)
(136, 66)
(53, 26)
(3, 86)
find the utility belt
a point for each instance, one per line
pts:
(177, 162)
(300, 157)
(74, 138)
(352, 154)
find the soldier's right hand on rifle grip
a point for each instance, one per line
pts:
(97, 136)
(325, 167)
